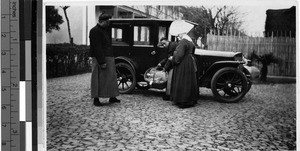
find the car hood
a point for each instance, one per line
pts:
(203, 52)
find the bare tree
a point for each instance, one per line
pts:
(68, 23)
(228, 20)
(218, 20)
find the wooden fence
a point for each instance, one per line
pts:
(283, 48)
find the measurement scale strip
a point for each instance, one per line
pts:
(19, 126)
(25, 75)
(5, 90)
(10, 66)
(25, 69)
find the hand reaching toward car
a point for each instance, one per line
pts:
(103, 66)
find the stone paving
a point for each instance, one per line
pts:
(264, 120)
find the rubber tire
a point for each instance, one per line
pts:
(223, 71)
(124, 66)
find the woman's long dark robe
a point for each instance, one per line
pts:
(184, 87)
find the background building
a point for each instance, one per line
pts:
(281, 22)
(83, 18)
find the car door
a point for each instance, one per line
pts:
(121, 38)
(144, 50)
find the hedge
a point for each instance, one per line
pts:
(66, 59)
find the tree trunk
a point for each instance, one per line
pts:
(68, 24)
(204, 42)
(264, 72)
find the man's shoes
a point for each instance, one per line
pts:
(181, 106)
(97, 102)
(166, 97)
(114, 100)
(184, 105)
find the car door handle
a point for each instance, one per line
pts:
(153, 52)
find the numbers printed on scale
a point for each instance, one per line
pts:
(3, 89)
(3, 107)
(3, 35)
(3, 143)
(14, 85)
(10, 73)
(3, 53)
(14, 131)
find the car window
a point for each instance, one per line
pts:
(141, 35)
(118, 35)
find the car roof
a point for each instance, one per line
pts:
(140, 19)
(149, 19)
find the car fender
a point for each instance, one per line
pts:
(217, 66)
(253, 71)
(126, 60)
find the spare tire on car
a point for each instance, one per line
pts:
(156, 78)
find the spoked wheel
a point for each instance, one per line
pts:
(125, 78)
(229, 85)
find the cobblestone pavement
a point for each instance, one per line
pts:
(264, 120)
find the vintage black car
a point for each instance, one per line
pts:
(135, 48)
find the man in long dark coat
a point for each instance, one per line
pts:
(104, 77)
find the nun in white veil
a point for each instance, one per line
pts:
(184, 87)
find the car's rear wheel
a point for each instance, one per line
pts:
(229, 85)
(125, 77)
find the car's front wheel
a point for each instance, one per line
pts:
(125, 77)
(229, 85)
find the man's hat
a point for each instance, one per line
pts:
(104, 17)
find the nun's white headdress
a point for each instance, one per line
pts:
(179, 27)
